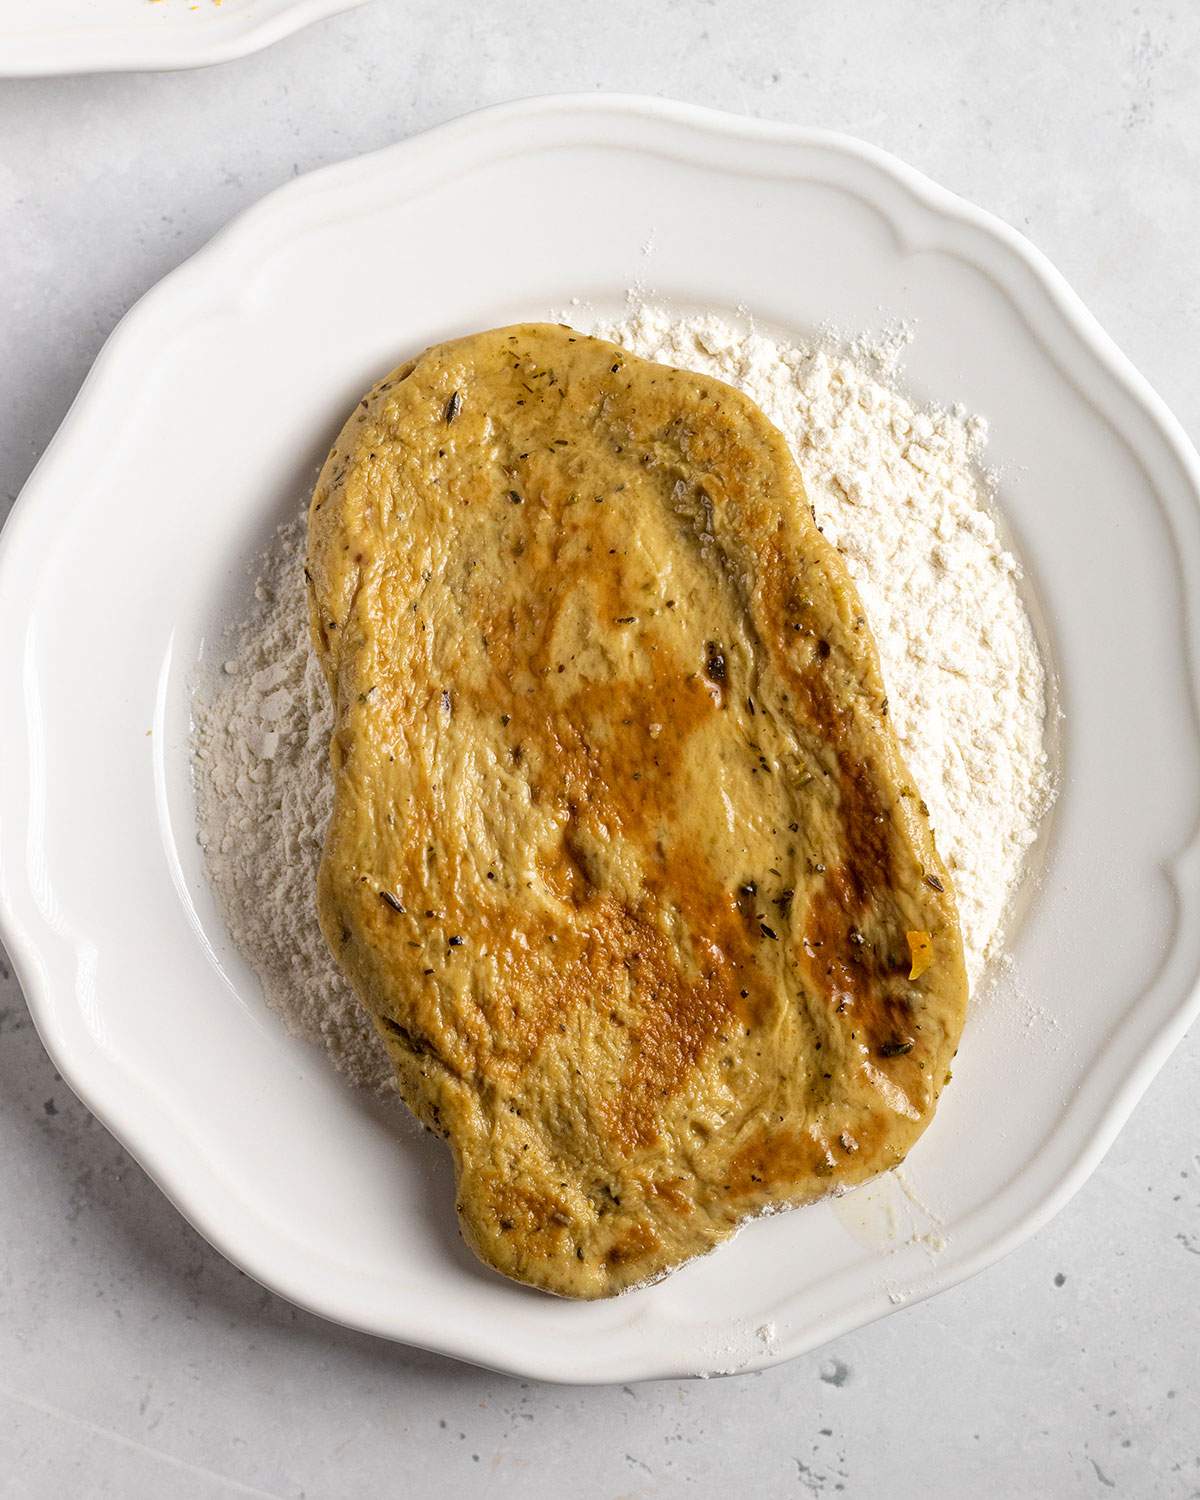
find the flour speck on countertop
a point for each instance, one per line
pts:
(897, 488)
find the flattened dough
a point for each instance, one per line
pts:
(624, 862)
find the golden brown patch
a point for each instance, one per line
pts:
(775, 1156)
(632, 1246)
(673, 1191)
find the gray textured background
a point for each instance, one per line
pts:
(133, 1360)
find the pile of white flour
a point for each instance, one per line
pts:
(263, 797)
(897, 489)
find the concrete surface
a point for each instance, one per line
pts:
(133, 1360)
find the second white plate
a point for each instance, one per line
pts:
(43, 37)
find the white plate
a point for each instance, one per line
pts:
(200, 427)
(39, 38)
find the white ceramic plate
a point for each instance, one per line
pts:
(200, 427)
(43, 37)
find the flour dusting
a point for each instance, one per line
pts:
(263, 796)
(898, 489)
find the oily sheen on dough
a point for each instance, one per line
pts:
(623, 862)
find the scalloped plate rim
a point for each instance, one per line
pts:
(173, 304)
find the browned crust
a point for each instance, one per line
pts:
(637, 1043)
